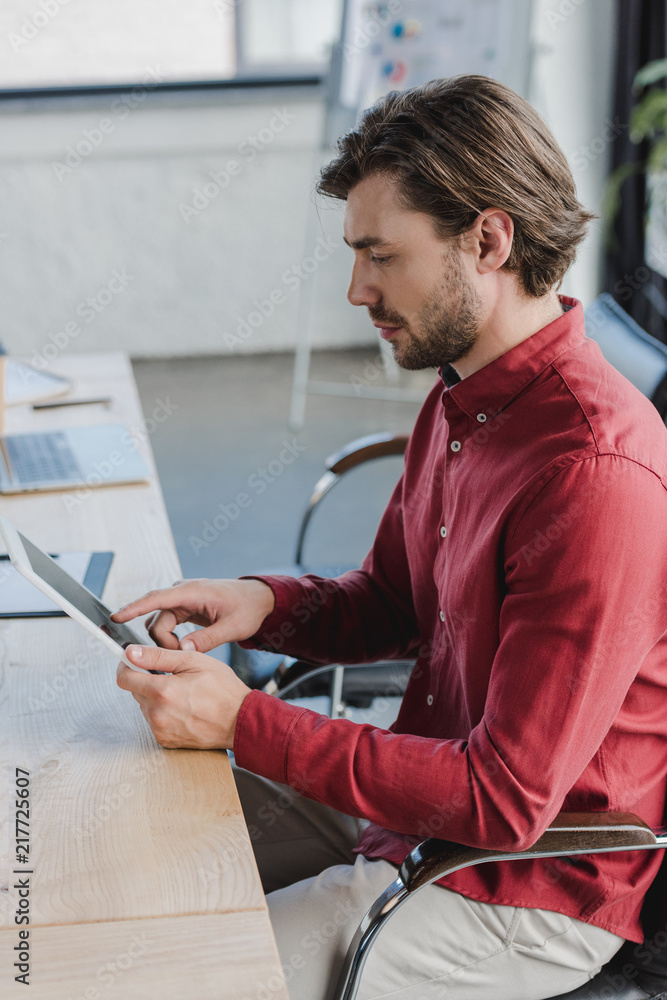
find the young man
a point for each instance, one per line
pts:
(522, 558)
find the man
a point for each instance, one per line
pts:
(522, 559)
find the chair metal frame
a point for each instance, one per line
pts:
(363, 449)
(355, 453)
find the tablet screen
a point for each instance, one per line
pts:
(76, 594)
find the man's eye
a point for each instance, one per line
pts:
(379, 260)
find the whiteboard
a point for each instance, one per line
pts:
(397, 44)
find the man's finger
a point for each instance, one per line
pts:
(161, 629)
(154, 600)
(142, 685)
(205, 639)
(169, 661)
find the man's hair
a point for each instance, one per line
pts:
(459, 145)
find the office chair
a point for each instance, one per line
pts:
(637, 355)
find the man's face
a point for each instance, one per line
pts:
(418, 289)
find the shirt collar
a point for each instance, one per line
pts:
(491, 388)
(449, 375)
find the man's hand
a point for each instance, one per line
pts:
(195, 706)
(230, 610)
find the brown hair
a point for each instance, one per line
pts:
(462, 144)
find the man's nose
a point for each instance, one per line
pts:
(362, 292)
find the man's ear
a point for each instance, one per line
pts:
(490, 239)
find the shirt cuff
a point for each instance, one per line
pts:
(263, 731)
(274, 630)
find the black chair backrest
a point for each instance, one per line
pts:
(651, 957)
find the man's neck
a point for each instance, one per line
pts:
(510, 322)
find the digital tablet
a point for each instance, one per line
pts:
(70, 595)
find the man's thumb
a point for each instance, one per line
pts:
(202, 640)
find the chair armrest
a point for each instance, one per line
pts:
(291, 673)
(361, 450)
(570, 834)
(364, 449)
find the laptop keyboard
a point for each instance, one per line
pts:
(37, 458)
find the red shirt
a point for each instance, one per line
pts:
(523, 556)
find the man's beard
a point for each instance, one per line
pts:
(447, 326)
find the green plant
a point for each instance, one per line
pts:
(648, 122)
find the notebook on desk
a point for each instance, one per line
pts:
(25, 384)
(102, 455)
(21, 599)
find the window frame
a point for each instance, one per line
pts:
(249, 83)
(270, 77)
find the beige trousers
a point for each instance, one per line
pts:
(437, 945)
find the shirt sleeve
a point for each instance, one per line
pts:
(584, 605)
(363, 615)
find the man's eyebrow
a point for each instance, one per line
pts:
(368, 241)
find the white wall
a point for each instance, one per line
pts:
(194, 281)
(572, 89)
(192, 274)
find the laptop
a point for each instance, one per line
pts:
(102, 455)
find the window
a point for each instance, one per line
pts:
(48, 44)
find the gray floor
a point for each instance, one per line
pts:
(223, 438)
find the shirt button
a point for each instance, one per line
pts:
(442, 615)
(481, 417)
(429, 700)
(455, 446)
(443, 531)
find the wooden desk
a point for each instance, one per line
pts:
(144, 882)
